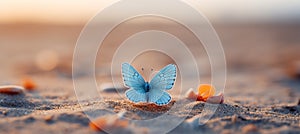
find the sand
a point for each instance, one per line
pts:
(260, 96)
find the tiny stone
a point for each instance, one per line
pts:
(242, 118)
(249, 128)
(234, 118)
(11, 89)
(293, 70)
(29, 120)
(4, 112)
(48, 118)
(28, 84)
(225, 132)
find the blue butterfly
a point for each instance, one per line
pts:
(153, 91)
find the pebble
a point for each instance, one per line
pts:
(298, 102)
(111, 88)
(234, 118)
(226, 132)
(4, 112)
(29, 119)
(249, 128)
(28, 84)
(293, 70)
(11, 89)
(216, 99)
(48, 118)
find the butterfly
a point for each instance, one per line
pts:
(153, 91)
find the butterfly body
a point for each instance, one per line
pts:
(147, 87)
(153, 91)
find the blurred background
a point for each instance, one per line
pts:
(37, 38)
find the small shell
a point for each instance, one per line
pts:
(28, 84)
(216, 99)
(11, 89)
(205, 91)
(190, 94)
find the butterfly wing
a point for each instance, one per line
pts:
(159, 97)
(131, 77)
(163, 80)
(135, 82)
(135, 95)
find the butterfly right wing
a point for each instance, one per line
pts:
(135, 82)
(163, 80)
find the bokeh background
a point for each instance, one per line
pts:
(261, 41)
(37, 38)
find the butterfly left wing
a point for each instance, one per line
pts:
(163, 80)
(132, 78)
(135, 82)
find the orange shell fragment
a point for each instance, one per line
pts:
(205, 91)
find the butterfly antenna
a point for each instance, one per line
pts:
(151, 73)
(143, 70)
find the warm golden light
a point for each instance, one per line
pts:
(78, 11)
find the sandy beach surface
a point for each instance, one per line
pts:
(262, 91)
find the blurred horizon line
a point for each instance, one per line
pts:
(42, 23)
(78, 12)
